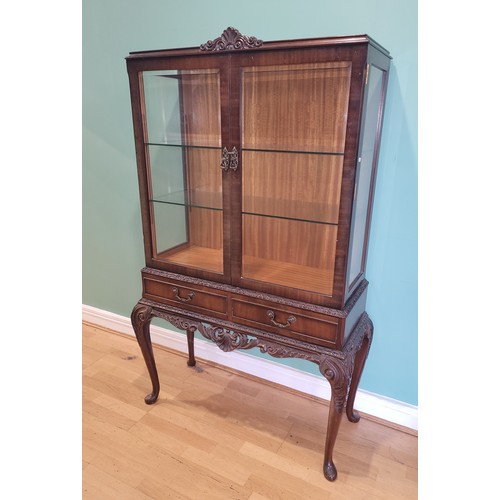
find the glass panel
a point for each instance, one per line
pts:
(294, 121)
(197, 243)
(169, 235)
(275, 251)
(186, 176)
(182, 107)
(365, 169)
(184, 154)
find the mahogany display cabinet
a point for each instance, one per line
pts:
(257, 164)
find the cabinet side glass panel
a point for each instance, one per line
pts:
(293, 123)
(183, 144)
(364, 175)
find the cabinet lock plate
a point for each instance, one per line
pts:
(229, 159)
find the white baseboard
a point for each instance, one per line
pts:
(382, 407)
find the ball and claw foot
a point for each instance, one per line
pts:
(330, 471)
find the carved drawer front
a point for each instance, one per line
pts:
(186, 296)
(286, 321)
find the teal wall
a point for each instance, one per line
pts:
(112, 235)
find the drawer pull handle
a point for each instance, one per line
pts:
(182, 299)
(289, 321)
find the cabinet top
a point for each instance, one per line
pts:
(231, 40)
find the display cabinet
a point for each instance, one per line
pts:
(257, 164)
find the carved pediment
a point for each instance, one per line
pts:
(231, 39)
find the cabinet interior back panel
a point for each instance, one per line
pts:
(200, 108)
(301, 107)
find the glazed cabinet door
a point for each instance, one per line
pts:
(180, 110)
(256, 167)
(293, 125)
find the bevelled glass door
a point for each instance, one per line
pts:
(183, 145)
(293, 127)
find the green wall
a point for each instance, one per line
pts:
(112, 234)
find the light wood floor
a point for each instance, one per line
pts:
(214, 434)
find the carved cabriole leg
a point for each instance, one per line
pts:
(183, 324)
(343, 375)
(141, 319)
(359, 364)
(337, 372)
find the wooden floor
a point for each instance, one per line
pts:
(214, 434)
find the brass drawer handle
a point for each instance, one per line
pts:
(178, 297)
(291, 319)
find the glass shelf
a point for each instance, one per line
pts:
(186, 176)
(172, 145)
(284, 209)
(192, 199)
(298, 186)
(294, 151)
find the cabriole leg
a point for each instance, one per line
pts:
(359, 364)
(335, 372)
(141, 319)
(190, 338)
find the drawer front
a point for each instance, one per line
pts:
(204, 300)
(290, 322)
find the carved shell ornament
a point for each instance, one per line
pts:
(231, 39)
(226, 339)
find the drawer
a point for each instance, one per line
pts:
(190, 297)
(287, 321)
